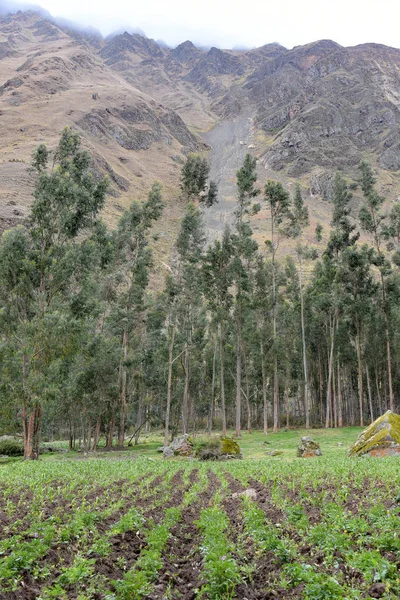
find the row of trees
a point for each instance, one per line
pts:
(237, 337)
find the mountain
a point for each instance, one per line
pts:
(141, 107)
(50, 79)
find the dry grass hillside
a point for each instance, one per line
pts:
(49, 80)
(141, 108)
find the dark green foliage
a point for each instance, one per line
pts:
(11, 448)
(194, 177)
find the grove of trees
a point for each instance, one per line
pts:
(239, 337)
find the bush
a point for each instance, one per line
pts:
(217, 449)
(208, 449)
(11, 448)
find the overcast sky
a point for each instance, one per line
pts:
(230, 23)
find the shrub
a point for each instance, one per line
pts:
(11, 448)
(217, 449)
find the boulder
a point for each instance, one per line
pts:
(275, 453)
(308, 448)
(218, 449)
(381, 438)
(180, 446)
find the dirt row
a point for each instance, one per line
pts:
(125, 547)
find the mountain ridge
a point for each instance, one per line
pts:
(141, 108)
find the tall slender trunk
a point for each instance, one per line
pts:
(303, 338)
(264, 388)
(371, 409)
(211, 414)
(27, 449)
(389, 367)
(96, 433)
(113, 418)
(239, 366)
(222, 376)
(169, 389)
(359, 373)
(89, 436)
(378, 391)
(287, 405)
(185, 403)
(276, 396)
(36, 431)
(276, 381)
(248, 400)
(122, 416)
(329, 384)
(339, 395)
(335, 408)
(321, 384)
(388, 348)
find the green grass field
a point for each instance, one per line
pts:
(129, 525)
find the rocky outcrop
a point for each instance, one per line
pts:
(119, 48)
(381, 438)
(218, 449)
(180, 446)
(308, 448)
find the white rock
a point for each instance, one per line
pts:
(249, 493)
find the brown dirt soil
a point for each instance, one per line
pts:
(182, 560)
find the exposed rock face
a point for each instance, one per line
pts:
(381, 438)
(310, 110)
(51, 77)
(308, 448)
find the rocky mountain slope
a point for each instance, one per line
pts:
(141, 107)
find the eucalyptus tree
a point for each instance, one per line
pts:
(67, 200)
(190, 246)
(343, 235)
(217, 275)
(245, 248)
(261, 308)
(278, 202)
(300, 221)
(372, 220)
(194, 176)
(132, 241)
(358, 289)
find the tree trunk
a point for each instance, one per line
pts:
(122, 416)
(329, 384)
(378, 391)
(389, 367)
(339, 395)
(287, 405)
(239, 368)
(210, 417)
(169, 389)
(303, 338)
(335, 409)
(28, 446)
(36, 431)
(89, 436)
(222, 375)
(388, 349)
(359, 373)
(264, 389)
(96, 435)
(248, 401)
(371, 410)
(185, 403)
